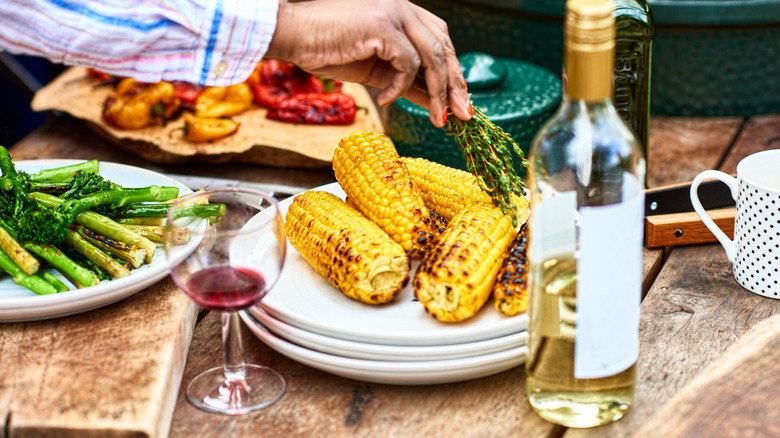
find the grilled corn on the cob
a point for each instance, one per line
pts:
(350, 251)
(456, 278)
(510, 293)
(378, 184)
(447, 190)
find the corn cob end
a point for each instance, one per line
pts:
(456, 277)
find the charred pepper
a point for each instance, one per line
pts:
(137, 104)
(276, 81)
(188, 93)
(202, 129)
(334, 108)
(223, 101)
(103, 77)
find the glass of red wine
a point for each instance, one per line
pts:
(226, 263)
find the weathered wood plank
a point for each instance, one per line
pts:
(759, 133)
(652, 262)
(733, 397)
(318, 404)
(108, 372)
(680, 148)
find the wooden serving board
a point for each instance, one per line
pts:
(259, 140)
(113, 371)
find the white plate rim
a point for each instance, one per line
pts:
(283, 302)
(392, 353)
(39, 307)
(394, 373)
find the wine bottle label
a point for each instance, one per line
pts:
(554, 234)
(609, 282)
(553, 229)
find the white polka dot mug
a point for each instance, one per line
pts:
(755, 250)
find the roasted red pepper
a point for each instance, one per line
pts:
(275, 72)
(269, 96)
(103, 77)
(188, 93)
(334, 108)
(276, 81)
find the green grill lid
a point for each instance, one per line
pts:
(506, 90)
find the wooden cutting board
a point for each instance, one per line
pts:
(115, 371)
(259, 140)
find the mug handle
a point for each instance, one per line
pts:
(730, 181)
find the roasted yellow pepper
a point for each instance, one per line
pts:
(224, 101)
(136, 104)
(202, 129)
(254, 78)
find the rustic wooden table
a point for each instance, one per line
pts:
(700, 373)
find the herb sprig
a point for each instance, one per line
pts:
(488, 151)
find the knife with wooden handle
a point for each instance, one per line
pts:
(670, 219)
(686, 228)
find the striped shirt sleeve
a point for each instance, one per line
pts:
(212, 42)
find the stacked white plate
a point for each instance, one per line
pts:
(305, 318)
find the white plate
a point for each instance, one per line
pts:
(394, 373)
(304, 299)
(20, 304)
(393, 353)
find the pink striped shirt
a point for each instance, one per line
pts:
(212, 42)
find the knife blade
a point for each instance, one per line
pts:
(676, 198)
(195, 182)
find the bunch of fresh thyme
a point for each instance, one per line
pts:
(488, 151)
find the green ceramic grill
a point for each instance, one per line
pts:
(516, 95)
(710, 57)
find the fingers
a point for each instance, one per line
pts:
(432, 58)
(404, 60)
(457, 92)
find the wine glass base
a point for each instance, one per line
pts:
(212, 391)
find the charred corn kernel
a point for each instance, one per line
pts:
(456, 277)
(510, 293)
(346, 248)
(377, 183)
(447, 190)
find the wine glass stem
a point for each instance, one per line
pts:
(232, 347)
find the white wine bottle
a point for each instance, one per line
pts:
(586, 178)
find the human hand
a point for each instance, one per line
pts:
(381, 43)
